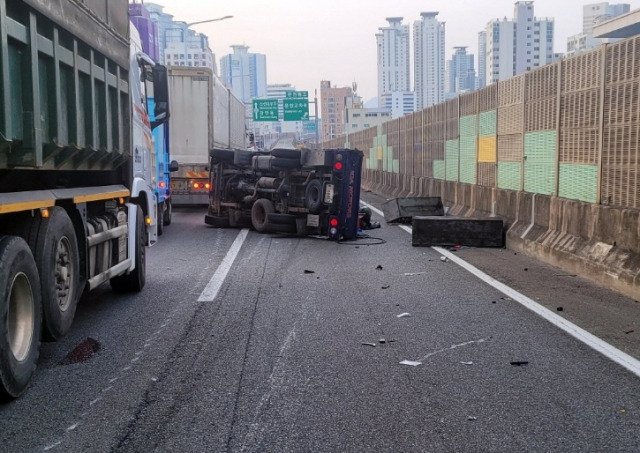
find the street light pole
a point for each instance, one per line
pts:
(185, 34)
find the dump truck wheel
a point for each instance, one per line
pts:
(135, 280)
(20, 316)
(55, 249)
(259, 213)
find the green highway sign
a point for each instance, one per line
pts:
(265, 110)
(295, 109)
(297, 94)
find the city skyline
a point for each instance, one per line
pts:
(343, 49)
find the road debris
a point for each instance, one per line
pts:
(466, 363)
(382, 341)
(444, 259)
(409, 274)
(373, 345)
(560, 309)
(628, 331)
(379, 267)
(470, 418)
(410, 363)
(307, 271)
(519, 363)
(386, 287)
(403, 315)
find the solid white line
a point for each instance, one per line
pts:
(211, 290)
(604, 348)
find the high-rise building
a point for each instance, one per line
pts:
(592, 15)
(481, 80)
(398, 103)
(518, 45)
(245, 73)
(394, 71)
(429, 67)
(461, 73)
(333, 102)
(178, 44)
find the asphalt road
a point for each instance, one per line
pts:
(300, 350)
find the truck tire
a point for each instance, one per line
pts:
(217, 221)
(259, 214)
(222, 155)
(286, 153)
(313, 196)
(282, 219)
(160, 219)
(20, 316)
(134, 281)
(281, 162)
(55, 248)
(166, 218)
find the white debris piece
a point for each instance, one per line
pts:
(443, 259)
(410, 363)
(404, 315)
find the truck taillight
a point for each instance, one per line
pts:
(196, 185)
(333, 228)
(161, 184)
(207, 186)
(338, 166)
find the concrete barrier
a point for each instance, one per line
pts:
(598, 242)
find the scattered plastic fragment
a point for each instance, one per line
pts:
(506, 298)
(628, 331)
(443, 259)
(386, 286)
(307, 271)
(373, 345)
(470, 418)
(382, 341)
(493, 302)
(560, 309)
(466, 363)
(519, 363)
(410, 363)
(379, 267)
(409, 274)
(526, 269)
(404, 315)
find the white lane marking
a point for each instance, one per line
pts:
(612, 353)
(211, 290)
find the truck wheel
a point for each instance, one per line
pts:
(259, 211)
(20, 316)
(135, 280)
(55, 247)
(217, 221)
(313, 196)
(286, 153)
(160, 219)
(166, 218)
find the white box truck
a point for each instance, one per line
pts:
(204, 115)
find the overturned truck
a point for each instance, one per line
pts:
(294, 191)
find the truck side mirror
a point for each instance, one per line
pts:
(174, 166)
(160, 95)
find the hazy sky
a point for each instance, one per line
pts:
(308, 41)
